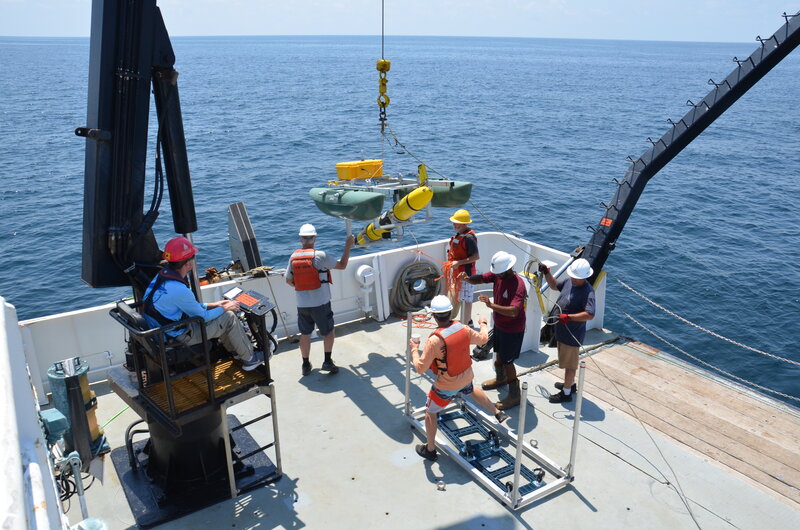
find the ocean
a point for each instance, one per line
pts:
(540, 126)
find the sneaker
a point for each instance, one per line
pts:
(306, 368)
(255, 360)
(501, 416)
(329, 367)
(559, 385)
(560, 397)
(422, 450)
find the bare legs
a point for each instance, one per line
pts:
(305, 343)
(569, 377)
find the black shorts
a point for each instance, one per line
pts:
(507, 346)
(321, 316)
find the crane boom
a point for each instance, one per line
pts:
(747, 73)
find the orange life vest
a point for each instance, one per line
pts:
(456, 358)
(306, 276)
(458, 248)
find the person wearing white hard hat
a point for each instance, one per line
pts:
(463, 252)
(509, 295)
(446, 353)
(576, 304)
(309, 272)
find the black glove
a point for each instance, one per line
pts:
(544, 269)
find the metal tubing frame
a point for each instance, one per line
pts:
(409, 326)
(518, 456)
(576, 422)
(511, 499)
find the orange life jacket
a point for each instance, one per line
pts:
(306, 275)
(458, 248)
(456, 358)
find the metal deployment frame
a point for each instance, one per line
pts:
(513, 498)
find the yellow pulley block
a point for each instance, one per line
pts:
(423, 174)
(383, 65)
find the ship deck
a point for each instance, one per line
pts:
(348, 451)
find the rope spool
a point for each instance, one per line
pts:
(404, 297)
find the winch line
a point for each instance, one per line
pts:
(704, 363)
(472, 203)
(701, 328)
(676, 486)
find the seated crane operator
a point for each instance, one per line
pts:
(169, 299)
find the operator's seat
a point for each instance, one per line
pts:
(177, 382)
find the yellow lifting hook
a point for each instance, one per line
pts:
(383, 100)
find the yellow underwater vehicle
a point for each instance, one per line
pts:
(361, 189)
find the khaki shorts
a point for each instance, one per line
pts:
(568, 356)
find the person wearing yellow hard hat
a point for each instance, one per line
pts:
(463, 252)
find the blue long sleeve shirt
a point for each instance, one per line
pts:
(173, 300)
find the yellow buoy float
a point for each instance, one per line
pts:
(401, 211)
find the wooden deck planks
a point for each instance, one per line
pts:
(728, 426)
(714, 392)
(718, 406)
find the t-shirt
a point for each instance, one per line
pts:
(508, 292)
(322, 295)
(573, 300)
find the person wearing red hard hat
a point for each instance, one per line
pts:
(576, 303)
(169, 299)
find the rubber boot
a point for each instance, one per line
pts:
(513, 397)
(499, 380)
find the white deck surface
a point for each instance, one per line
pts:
(349, 460)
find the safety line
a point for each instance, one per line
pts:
(717, 335)
(720, 370)
(676, 487)
(472, 203)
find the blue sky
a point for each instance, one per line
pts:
(683, 20)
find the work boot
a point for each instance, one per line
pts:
(513, 397)
(499, 380)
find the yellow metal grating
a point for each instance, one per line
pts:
(192, 390)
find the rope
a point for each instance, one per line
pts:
(704, 363)
(717, 335)
(403, 298)
(471, 202)
(420, 321)
(453, 284)
(677, 487)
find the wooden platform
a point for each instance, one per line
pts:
(192, 390)
(723, 423)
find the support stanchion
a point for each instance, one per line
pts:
(577, 421)
(409, 324)
(520, 432)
